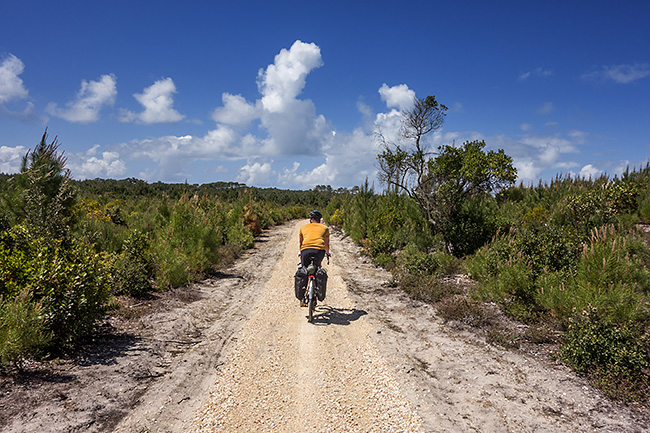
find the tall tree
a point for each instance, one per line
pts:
(440, 181)
(459, 174)
(403, 165)
(49, 194)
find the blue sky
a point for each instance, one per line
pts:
(289, 94)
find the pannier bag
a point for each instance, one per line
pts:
(321, 284)
(300, 282)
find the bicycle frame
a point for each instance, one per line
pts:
(310, 293)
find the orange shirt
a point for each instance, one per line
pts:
(313, 235)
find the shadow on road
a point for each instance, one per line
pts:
(326, 315)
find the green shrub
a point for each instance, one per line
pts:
(612, 354)
(610, 276)
(485, 263)
(471, 228)
(133, 269)
(240, 236)
(386, 261)
(23, 332)
(546, 247)
(515, 289)
(644, 209)
(73, 286)
(417, 262)
(69, 281)
(428, 288)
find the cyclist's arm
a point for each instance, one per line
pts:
(327, 245)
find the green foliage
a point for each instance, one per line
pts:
(612, 354)
(596, 207)
(69, 281)
(419, 263)
(23, 332)
(610, 276)
(459, 174)
(362, 212)
(188, 244)
(49, 195)
(420, 273)
(473, 226)
(573, 257)
(133, 270)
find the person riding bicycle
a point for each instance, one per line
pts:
(314, 240)
(314, 245)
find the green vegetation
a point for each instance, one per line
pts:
(69, 248)
(567, 258)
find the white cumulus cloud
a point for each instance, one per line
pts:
(285, 78)
(256, 174)
(94, 164)
(399, 96)
(158, 102)
(11, 85)
(236, 111)
(90, 99)
(590, 172)
(11, 158)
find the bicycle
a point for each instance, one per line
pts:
(310, 292)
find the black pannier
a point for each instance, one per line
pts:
(300, 282)
(321, 284)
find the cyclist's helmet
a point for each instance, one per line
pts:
(315, 215)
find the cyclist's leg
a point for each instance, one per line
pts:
(319, 256)
(308, 253)
(306, 256)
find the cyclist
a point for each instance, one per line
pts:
(314, 243)
(314, 240)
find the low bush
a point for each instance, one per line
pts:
(133, 270)
(428, 288)
(23, 332)
(610, 276)
(465, 310)
(70, 282)
(614, 355)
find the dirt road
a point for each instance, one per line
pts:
(235, 353)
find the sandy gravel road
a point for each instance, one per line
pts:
(288, 375)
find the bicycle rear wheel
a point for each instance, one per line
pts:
(312, 301)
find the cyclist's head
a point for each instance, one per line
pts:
(315, 216)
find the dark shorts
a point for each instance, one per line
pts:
(308, 253)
